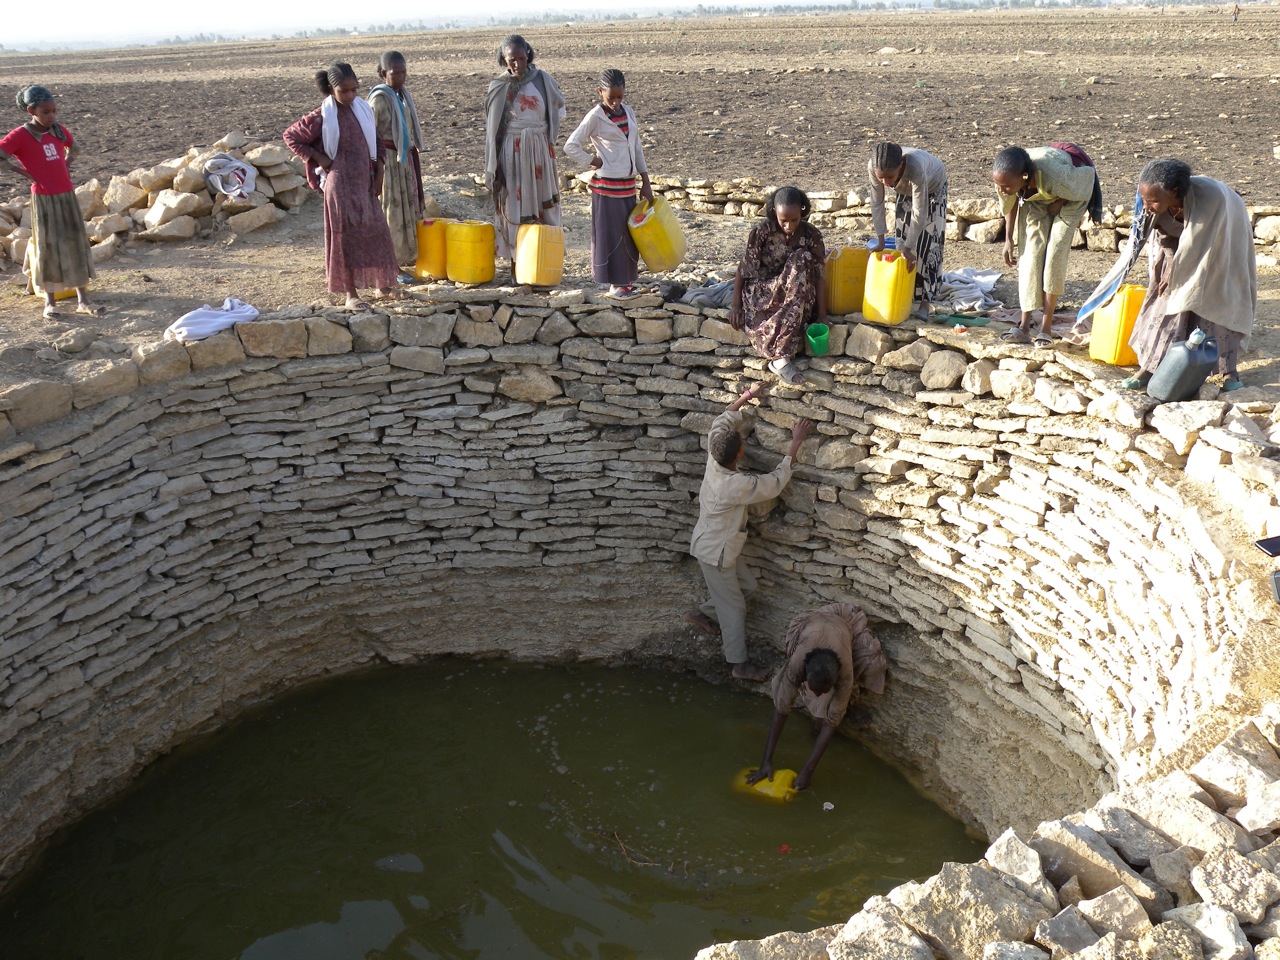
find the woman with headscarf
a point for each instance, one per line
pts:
(339, 141)
(919, 183)
(1045, 193)
(1201, 268)
(613, 131)
(523, 109)
(780, 286)
(400, 137)
(41, 151)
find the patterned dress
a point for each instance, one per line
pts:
(358, 253)
(532, 183)
(780, 287)
(401, 183)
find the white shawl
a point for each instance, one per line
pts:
(329, 127)
(1214, 270)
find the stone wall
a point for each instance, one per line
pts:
(1069, 598)
(1181, 867)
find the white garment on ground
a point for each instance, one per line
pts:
(968, 290)
(225, 174)
(206, 321)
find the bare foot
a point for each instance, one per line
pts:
(750, 672)
(702, 622)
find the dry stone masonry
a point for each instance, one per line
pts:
(1063, 573)
(1168, 870)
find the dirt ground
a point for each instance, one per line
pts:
(786, 99)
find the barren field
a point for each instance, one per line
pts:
(794, 99)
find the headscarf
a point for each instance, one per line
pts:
(32, 95)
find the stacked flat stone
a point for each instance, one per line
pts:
(1182, 867)
(169, 201)
(1063, 572)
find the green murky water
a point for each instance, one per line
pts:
(476, 810)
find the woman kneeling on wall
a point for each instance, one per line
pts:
(780, 286)
(1201, 266)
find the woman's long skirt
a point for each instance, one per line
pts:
(60, 258)
(1155, 331)
(531, 191)
(776, 311)
(932, 236)
(614, 257)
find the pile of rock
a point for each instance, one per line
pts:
(1180, 868)
(169, 201)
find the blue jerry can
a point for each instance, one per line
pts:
(1184, 368)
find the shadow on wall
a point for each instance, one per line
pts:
(506, 474)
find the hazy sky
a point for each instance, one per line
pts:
(123, 21)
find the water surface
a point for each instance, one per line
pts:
(477, 810)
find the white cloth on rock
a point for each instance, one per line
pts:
(206, 321)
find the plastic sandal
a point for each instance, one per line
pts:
(1016, 335)
(786, 371)
(1042, 341)
(1234, 384)
(1133, 383)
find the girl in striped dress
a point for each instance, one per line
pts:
(41, 150)
(613, 132)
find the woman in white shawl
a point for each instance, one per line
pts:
(1202, 271)
(339, 142)
(523, 109)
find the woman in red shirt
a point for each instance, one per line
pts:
(40, 150)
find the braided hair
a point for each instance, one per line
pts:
(31, 96)
(886, 156)
(329, 80)
(611, 77)
(786, 197)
